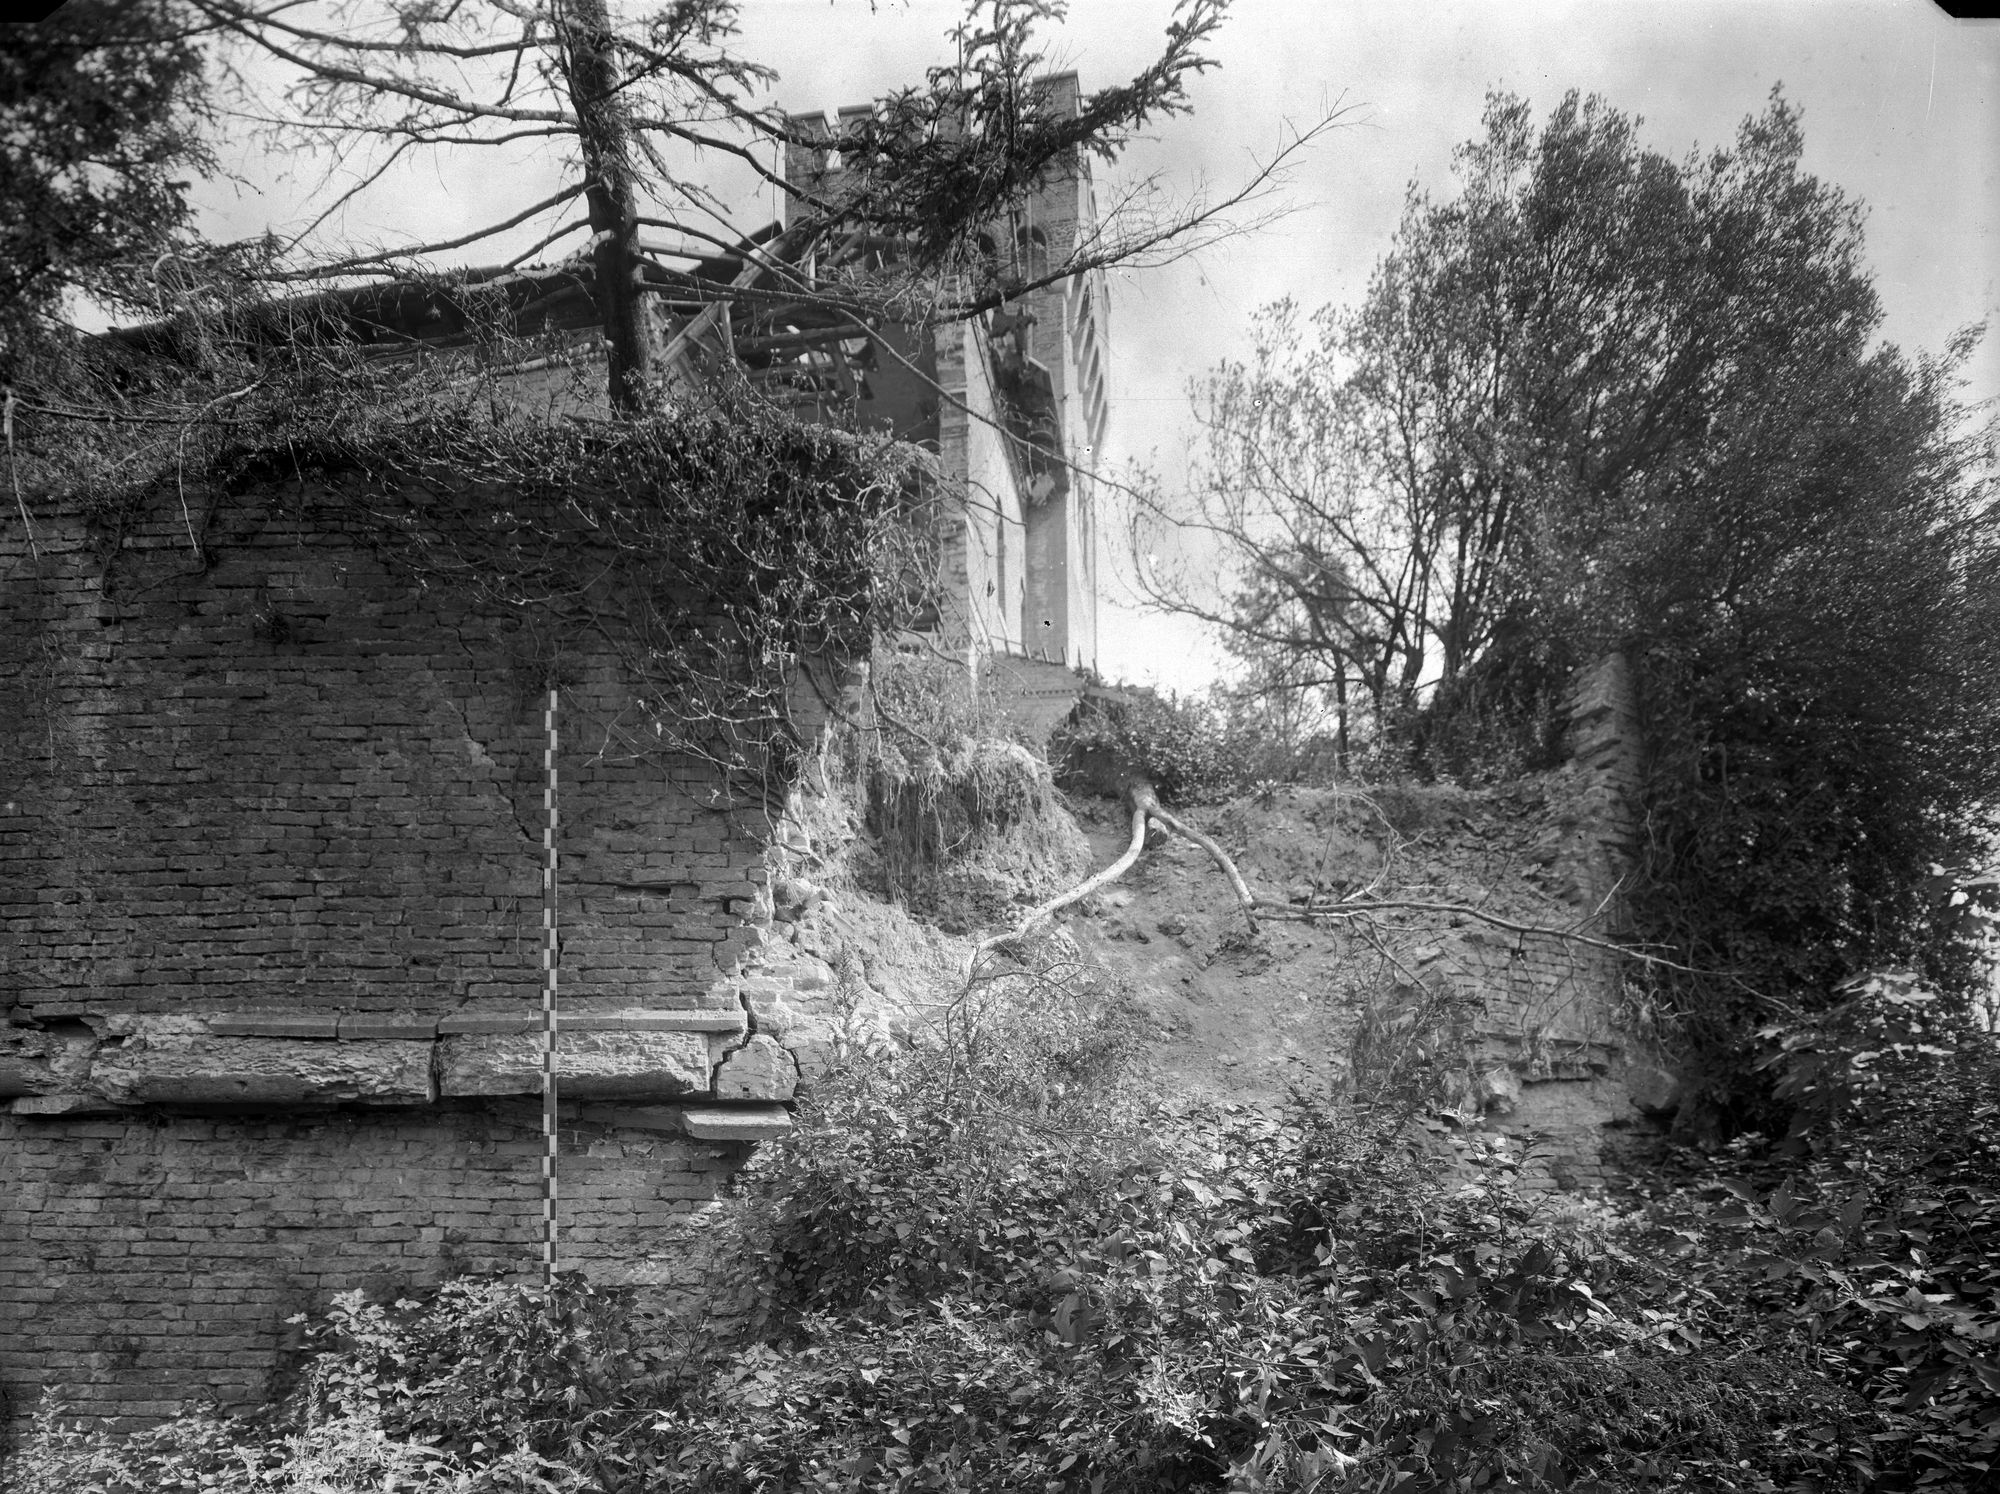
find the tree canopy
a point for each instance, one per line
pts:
(634, 101)
(103, 106)
(1602, 398)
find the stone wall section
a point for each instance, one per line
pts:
(269, 971)
(984, 569)
(1606, 757)
(1554, 1065)
(1068, 338)
(1035, 695)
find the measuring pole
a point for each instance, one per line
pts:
(550, 958)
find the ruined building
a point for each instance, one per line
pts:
(1020, 409)
(271, 860)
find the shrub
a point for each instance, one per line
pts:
(1225, 1299)
(990, 1263)
(922, 702)
(954, 1166)
(1886, 1212)
(486, 1386)
(1182, 747)
(966, 820)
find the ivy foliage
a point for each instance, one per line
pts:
(963, 827)
(1865, 1238)
(1186, 748)
(731, 559)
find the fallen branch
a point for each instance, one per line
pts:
(1364, 907)
(1145, 805)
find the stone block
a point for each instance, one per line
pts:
(1600, 687)
(657, 1021)
(809, 1036)
(23, 1075)
(488, 1024)
(151, 1028)
(202, 1070)
(590, 1065)
(635, 1117)
(42, 1063)
(1654, 1090)
(736, 1122)
(388, 1025)
(57, 1106)
(1499, 1090)
(256, 1024)
(809, 973)
(759, 1070)
(770, 1000)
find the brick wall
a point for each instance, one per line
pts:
(275, 818)
(292, 778)
(147, 1261)
(270, 847)
(1550, 1007)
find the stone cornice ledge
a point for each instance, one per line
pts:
(261, 1060)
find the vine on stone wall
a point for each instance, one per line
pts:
(732, 559)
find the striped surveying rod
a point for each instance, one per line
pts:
(550, 956)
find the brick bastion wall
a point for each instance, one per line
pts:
(270, 846)
(270, 955)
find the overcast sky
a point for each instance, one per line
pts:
(1900, 104)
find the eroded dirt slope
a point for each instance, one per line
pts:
(1228, 1011)
(1248, 1014)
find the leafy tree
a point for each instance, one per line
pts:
(102, 106)
(1325, 576)
(1601, 398)
(631, 100)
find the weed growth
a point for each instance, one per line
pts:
(966, 818)
(1182, 746)
(990, 1263)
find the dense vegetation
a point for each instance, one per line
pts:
(991, 1263)
(102, 106)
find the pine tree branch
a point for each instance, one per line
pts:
(390, 256)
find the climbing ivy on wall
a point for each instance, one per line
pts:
(732, 559)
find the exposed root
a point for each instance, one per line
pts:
(1220, 857)
(1039, 915)
(1145, 805)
